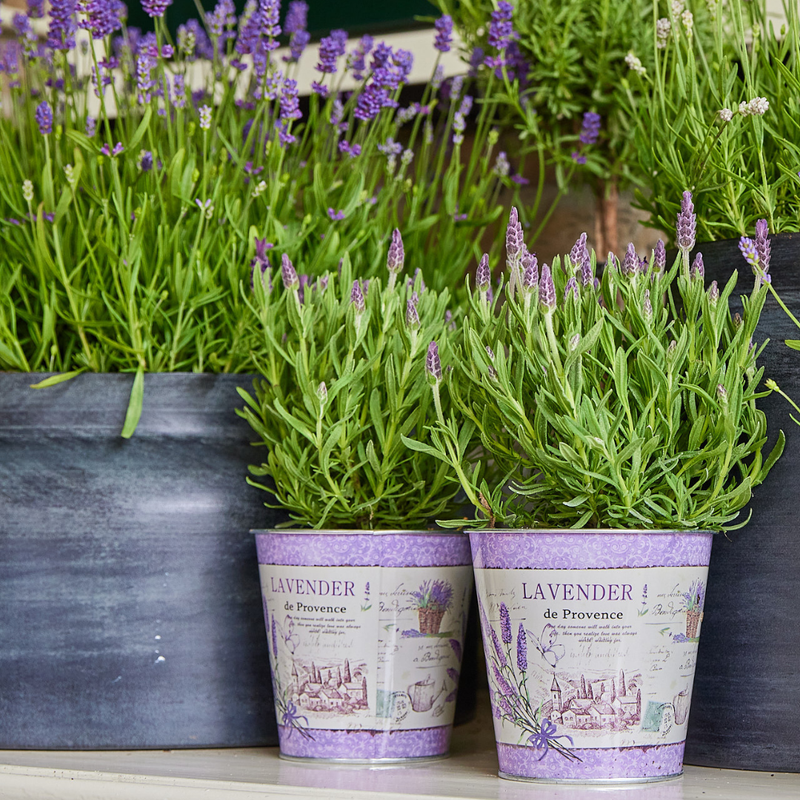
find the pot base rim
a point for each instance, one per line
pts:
(602, 781)
(375, 763)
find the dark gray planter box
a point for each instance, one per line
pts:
(747, 683)
(130, 608)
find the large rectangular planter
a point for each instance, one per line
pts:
(131, 610)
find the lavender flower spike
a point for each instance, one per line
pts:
(571, 290)
(505, 624)
(63, 24)
(44, 118)
(497, 648)
(483, 277)
(686, 228)
(698, 268)
(155, 8)
(522, 649)
(357, 298)
(412, 316)
(763, 245)
(514, 245)
(747, 247)
(547, 289)
(530, 270)
(288, 273)
(659, 257)
(630, 266)
(444, 33)
(396, 257)
(433, 364)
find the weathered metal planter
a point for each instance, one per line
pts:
(747, 675)
(590, 668)
(357, 677)
(131, 610)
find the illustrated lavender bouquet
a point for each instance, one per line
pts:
(606, 401)
(137, 173)
(344, 380)
(432, 600)
(720, 117)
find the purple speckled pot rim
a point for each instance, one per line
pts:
(592, 531)
(353, 532)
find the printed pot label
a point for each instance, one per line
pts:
(591, 658)
(365, 648)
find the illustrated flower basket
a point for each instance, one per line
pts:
(433, 599)
(693, 623)
(430, 619)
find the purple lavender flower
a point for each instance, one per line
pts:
(500, 28)
(91, 127)
(179, 91)
(357, 298)
(290, 105)
(571, 290)
(144, 83)
(505, 624)
(522, 649)
(335, 215)
(749, 249)
(577, 157)
(590, 129)
(145, 160)
(687, 224)
(330, 48)
(101, 17)
(547, 289)
(297, 44)
(713, 293)
(412, 316)
(35, 9)
(513, 238)
(433, 364)
(350, 150)
(659, 256)
(579, 253)
(763, 246)
(530, 270)
(483, 277)
(63, 24)
(274, 638)
(444, 33)
(44, 118)
(357, 58)
(288, 273)
(269, 17)
(647, 306)
(370, 101)
(630, 266)
(396, 256)
(698, 269)
(155, 8)
(498, 649)
(296, 17)
(260, 262)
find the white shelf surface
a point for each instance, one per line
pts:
(236, 774)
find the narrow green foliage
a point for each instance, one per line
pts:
(340, 389)
(720, 117)
(632, 405)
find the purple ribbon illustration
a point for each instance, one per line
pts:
(541, 740)
(291, 717)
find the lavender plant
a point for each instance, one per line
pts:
(557, 69)
(720, 118)
(620, 400)
(344, 380)
(132, 197)
(436, 595)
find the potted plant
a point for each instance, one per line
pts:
(619, 427)
(144, 179)
(365, 605)
(720, 120)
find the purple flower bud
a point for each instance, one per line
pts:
(686, 228)
(396, 257)
(530, 273)
(296, 17)
(497, 647)
(659, 257)
(547, 289)
(91, 126)
(505, 624)
(483, 277)
(44, 118)
(444, 33)
(590, 129)
(357, 298)
(571, 290)
(737, 320)
(433, 365)
(722, 394)
(713, 293)
(63, 24)
(322, 393)
(647, 306)
(522, 649)
(763, 244)
(630, 266)
(155, 8)
(501, 29)
(748, 249)
(288, 273)
(698, 269)
(513, 238)
(412, 315)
